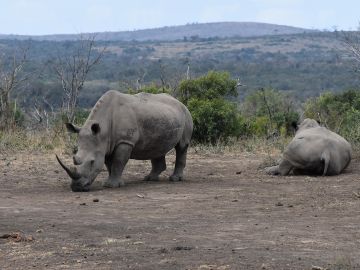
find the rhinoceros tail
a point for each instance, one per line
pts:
(325, 157)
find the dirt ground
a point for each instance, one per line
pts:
(227, 214)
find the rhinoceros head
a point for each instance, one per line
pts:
(89, 158)
(308, 123)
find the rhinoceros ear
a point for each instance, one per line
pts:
(295, 125)
(72, 128)
(95, 128)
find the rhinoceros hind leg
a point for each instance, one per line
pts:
(117, 164)
(181, 151)
(158, 166)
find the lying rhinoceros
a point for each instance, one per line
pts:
(122, 127)
(314, 150)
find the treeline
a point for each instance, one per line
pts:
(219, 117)
(266, 113)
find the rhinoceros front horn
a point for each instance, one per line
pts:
(72, 172)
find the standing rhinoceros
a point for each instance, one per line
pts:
(122, 127)
(314, 150)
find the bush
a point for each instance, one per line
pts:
(269, 111)
(215, 119)
(214, 85)
(152, 89)
(338, 112)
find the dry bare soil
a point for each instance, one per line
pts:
(227, 215)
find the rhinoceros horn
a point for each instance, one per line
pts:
(72, 172)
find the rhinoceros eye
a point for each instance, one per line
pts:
(75, 150)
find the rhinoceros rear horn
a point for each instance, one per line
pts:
(72, 172)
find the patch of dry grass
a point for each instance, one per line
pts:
(264, 147)
(60, 142)
(19, 140)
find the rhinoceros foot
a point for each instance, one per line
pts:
(274, 170)
(110, 183)
(151, 177)
(175, 178)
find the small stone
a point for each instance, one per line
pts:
(238, 172)
(279, 204)
(83, 203)
(95, 200)
(39, 230)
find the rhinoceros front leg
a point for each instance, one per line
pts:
(283, 168)
(116, 165)
(180, 162)
(158, 166)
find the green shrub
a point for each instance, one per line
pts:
(214, 85)
(215, 119)
(152, 89)
(270, 111)
(338, 112)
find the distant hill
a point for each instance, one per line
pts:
(303, 64)
(188, 31)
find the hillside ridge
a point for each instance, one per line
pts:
(188, 31)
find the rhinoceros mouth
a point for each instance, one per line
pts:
(80, 188)
(71, 171)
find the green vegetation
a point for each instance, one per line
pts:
(281, 74)
(215, 118)
(303, 64)
(270, 112)
(152, 89)
(338, 112)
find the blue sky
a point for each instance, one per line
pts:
(37, 17)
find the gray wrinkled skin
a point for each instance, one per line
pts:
(122, 127)
(314, 150)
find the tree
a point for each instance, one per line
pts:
(211, 86)
(11, 77)
(338, 112)
(215, 117)
(72, 69)
(270, 111)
